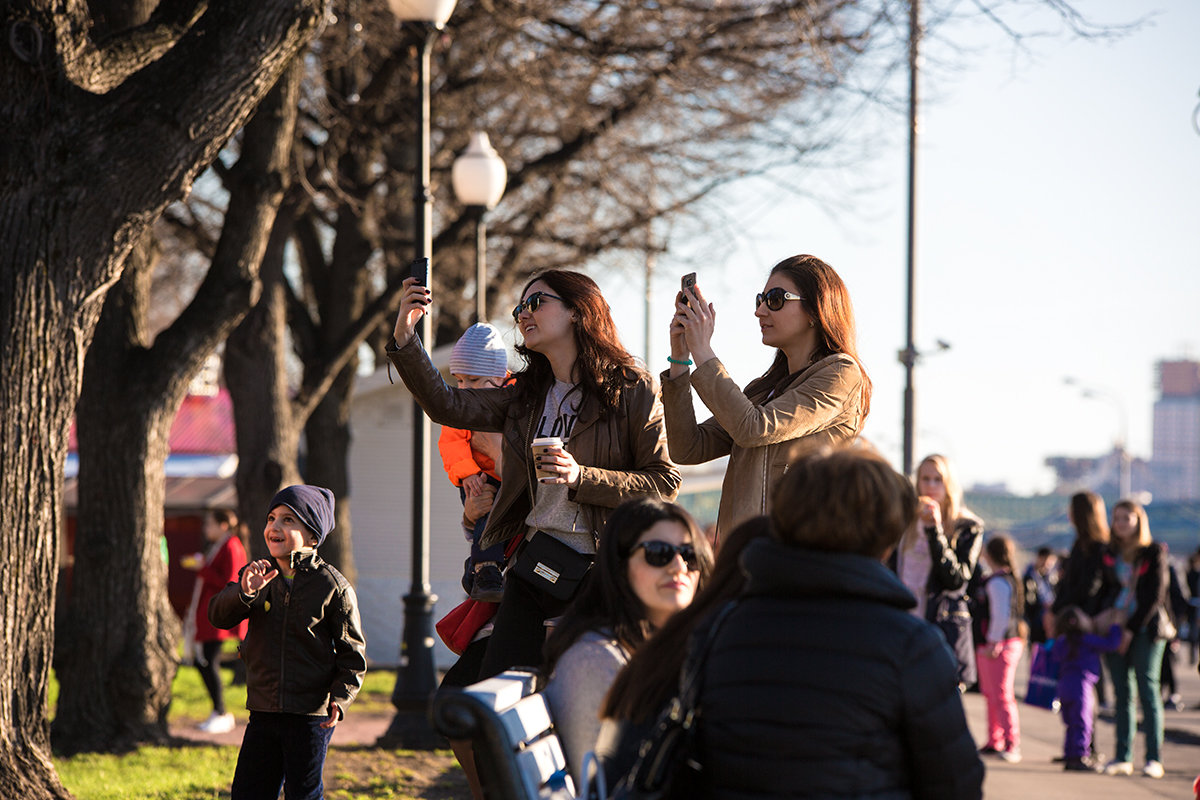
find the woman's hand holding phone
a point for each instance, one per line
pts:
(412, 307)
(697, 319)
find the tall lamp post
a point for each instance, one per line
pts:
(416, 679)
(478, 177)
(1124, 461)
(908, 356)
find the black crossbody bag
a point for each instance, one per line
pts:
(553, 567)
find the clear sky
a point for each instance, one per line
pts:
(1058, 213)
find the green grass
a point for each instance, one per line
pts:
(198, 772)
(151, 773)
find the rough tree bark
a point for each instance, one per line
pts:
(116, 654)
(97, 138)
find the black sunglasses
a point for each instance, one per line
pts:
(774, 298)
(534, 302)
(659, 554)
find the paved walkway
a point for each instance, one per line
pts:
(1038, 777)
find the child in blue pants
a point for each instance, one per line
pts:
(1077, 650)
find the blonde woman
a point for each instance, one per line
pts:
(937, 557)
(1141, 567)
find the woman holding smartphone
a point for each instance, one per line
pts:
(579, 385)
(816, 391)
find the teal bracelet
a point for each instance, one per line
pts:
(684, 363)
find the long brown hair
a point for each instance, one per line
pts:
(827, 302)
(1143, 537)
(651, 678)
(604, 366)
(1089, 519)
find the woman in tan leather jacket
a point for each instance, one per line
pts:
(816, 390)
(580, 385)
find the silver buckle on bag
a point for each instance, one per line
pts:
(546, 573)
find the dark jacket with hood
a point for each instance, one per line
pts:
(305, 644)
(821, 684)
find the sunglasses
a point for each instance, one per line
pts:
(534, 302)
(774, 298)
(659, 554)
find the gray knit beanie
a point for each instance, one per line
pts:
(480, 353)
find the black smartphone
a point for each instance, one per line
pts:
(687, 282)
(420, 270)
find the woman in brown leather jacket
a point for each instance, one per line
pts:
(580, 385)
(816, 390)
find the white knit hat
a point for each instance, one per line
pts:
(480, 353)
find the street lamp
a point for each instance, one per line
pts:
(478, 177)
(1124, 460)
(909, 355)
(416, 679)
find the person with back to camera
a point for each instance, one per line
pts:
(304, 650)
(1140, 565)
(1004, 633)
(472, 460)
(1077, 650)
(651, 678)
(652, 559)
(816, 389)
(937, 557)
(215, 568)
(819, 683)
(1040, 581)
(580, 385)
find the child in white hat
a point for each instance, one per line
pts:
(472, 458)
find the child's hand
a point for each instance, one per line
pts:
(475, 506)
(256, 575)
(334, 716)
(473, 484)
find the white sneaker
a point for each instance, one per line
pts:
(1012, 755)
(1153, 769)
(1118, 768)
(217, 723)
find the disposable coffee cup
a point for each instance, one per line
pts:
(541, 446)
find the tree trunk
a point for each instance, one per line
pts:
(327, 435)
(116, 667)
(268, 434)
(115, 656)
(110, 133)
(39, 348)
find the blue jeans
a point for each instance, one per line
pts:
(1141, 665)
(285, 750)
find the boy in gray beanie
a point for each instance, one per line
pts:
(472, 458)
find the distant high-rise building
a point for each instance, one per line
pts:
(1176, 451)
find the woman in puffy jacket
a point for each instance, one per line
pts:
(819, 683)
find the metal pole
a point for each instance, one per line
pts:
(416, 679)
(651, 258)
(480, 265)
(909, 355)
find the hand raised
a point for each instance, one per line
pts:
(412, 307)
(258, 574)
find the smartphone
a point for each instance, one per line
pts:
(420, 270)
(687, 282)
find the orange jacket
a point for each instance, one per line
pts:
(459, 459)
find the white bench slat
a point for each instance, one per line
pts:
(538, 762)
(527, 720)
(504, 690)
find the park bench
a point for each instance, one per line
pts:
(517, 753)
